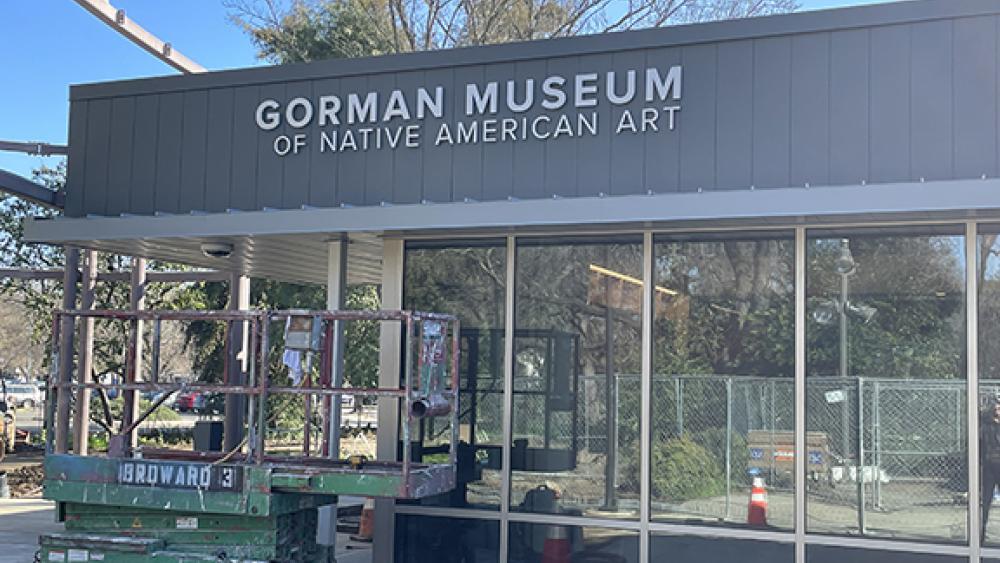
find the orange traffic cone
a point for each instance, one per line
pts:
(366, 526)
(557, 548)
(757, 511)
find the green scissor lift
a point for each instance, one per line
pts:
(248, 504)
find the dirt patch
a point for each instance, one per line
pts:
(26, 481)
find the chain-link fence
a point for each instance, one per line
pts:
(910, 448)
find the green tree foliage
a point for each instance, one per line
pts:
(301, 30)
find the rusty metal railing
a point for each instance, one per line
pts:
(418, 396)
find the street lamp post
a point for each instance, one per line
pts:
(846, 267)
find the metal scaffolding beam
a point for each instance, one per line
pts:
(34, 148)
(135, 33)
(26, 189)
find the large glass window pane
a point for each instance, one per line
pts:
(885, 387)
(557, 543)
(575, 441)
(989, 378)
(469, 282)
(832, 554)
(693, 549)
(723, 401)
(433, 539)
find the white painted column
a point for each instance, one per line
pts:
(388, 408)
(800, 394)
(235, 405)
(336, 298)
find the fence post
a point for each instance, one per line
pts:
(877, 446)
(861, 458)
(679, 405)
(729, 442)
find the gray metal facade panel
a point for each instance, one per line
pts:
(528, 159)
(498, 166)
(270, 170)
(120, 153)
(561, 167)
(627, 151)
(407, 169)
(467, 158)
(377, 187)
(975, 97)
(167, 190)
(809, 134)
(96, 154)
(888, 103)
(849, 114)
(323, 171)
(219, 149)
(931, 94)
(698, 121)
(194, 139)
(77, 135)
(772, 90)
(662, 153)
(243, 185)
(351, 172)
(889, 113)
(294, 189)
(735, 118)
(594, 152)
(436, 165)
(144, 156)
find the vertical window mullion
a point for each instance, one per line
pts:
(645, 392)
(508, 397)
(972, 383)
(800, 394)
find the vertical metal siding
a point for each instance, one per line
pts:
(772, 89)
(194, 151)
(975, 97)
(120, 154)
(734, 110)
(810, 110)
(881, 104)
(219, 146)
(931, 108)
(96, 152)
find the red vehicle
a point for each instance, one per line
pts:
(186, 402)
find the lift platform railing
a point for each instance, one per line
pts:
(429, 387)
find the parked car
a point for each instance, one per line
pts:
(211, 403)
(23, 395)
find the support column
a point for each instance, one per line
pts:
(800, 395)
(972, 288)
(133, 369)
(70, 277)
(239, 300)
(388, 408)
(336, 292)
(81, 418)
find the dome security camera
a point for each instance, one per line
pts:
(217, 249)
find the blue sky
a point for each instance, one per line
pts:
(46, 45)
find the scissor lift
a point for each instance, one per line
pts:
(137, 503)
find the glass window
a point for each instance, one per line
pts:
(989, 378)
(575, 441)
(831, 554)
(469, 282)
(557, 543)
(885, 387)
(431, 539)
(723, 400)
(693, 549)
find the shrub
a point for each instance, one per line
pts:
(683, 470)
